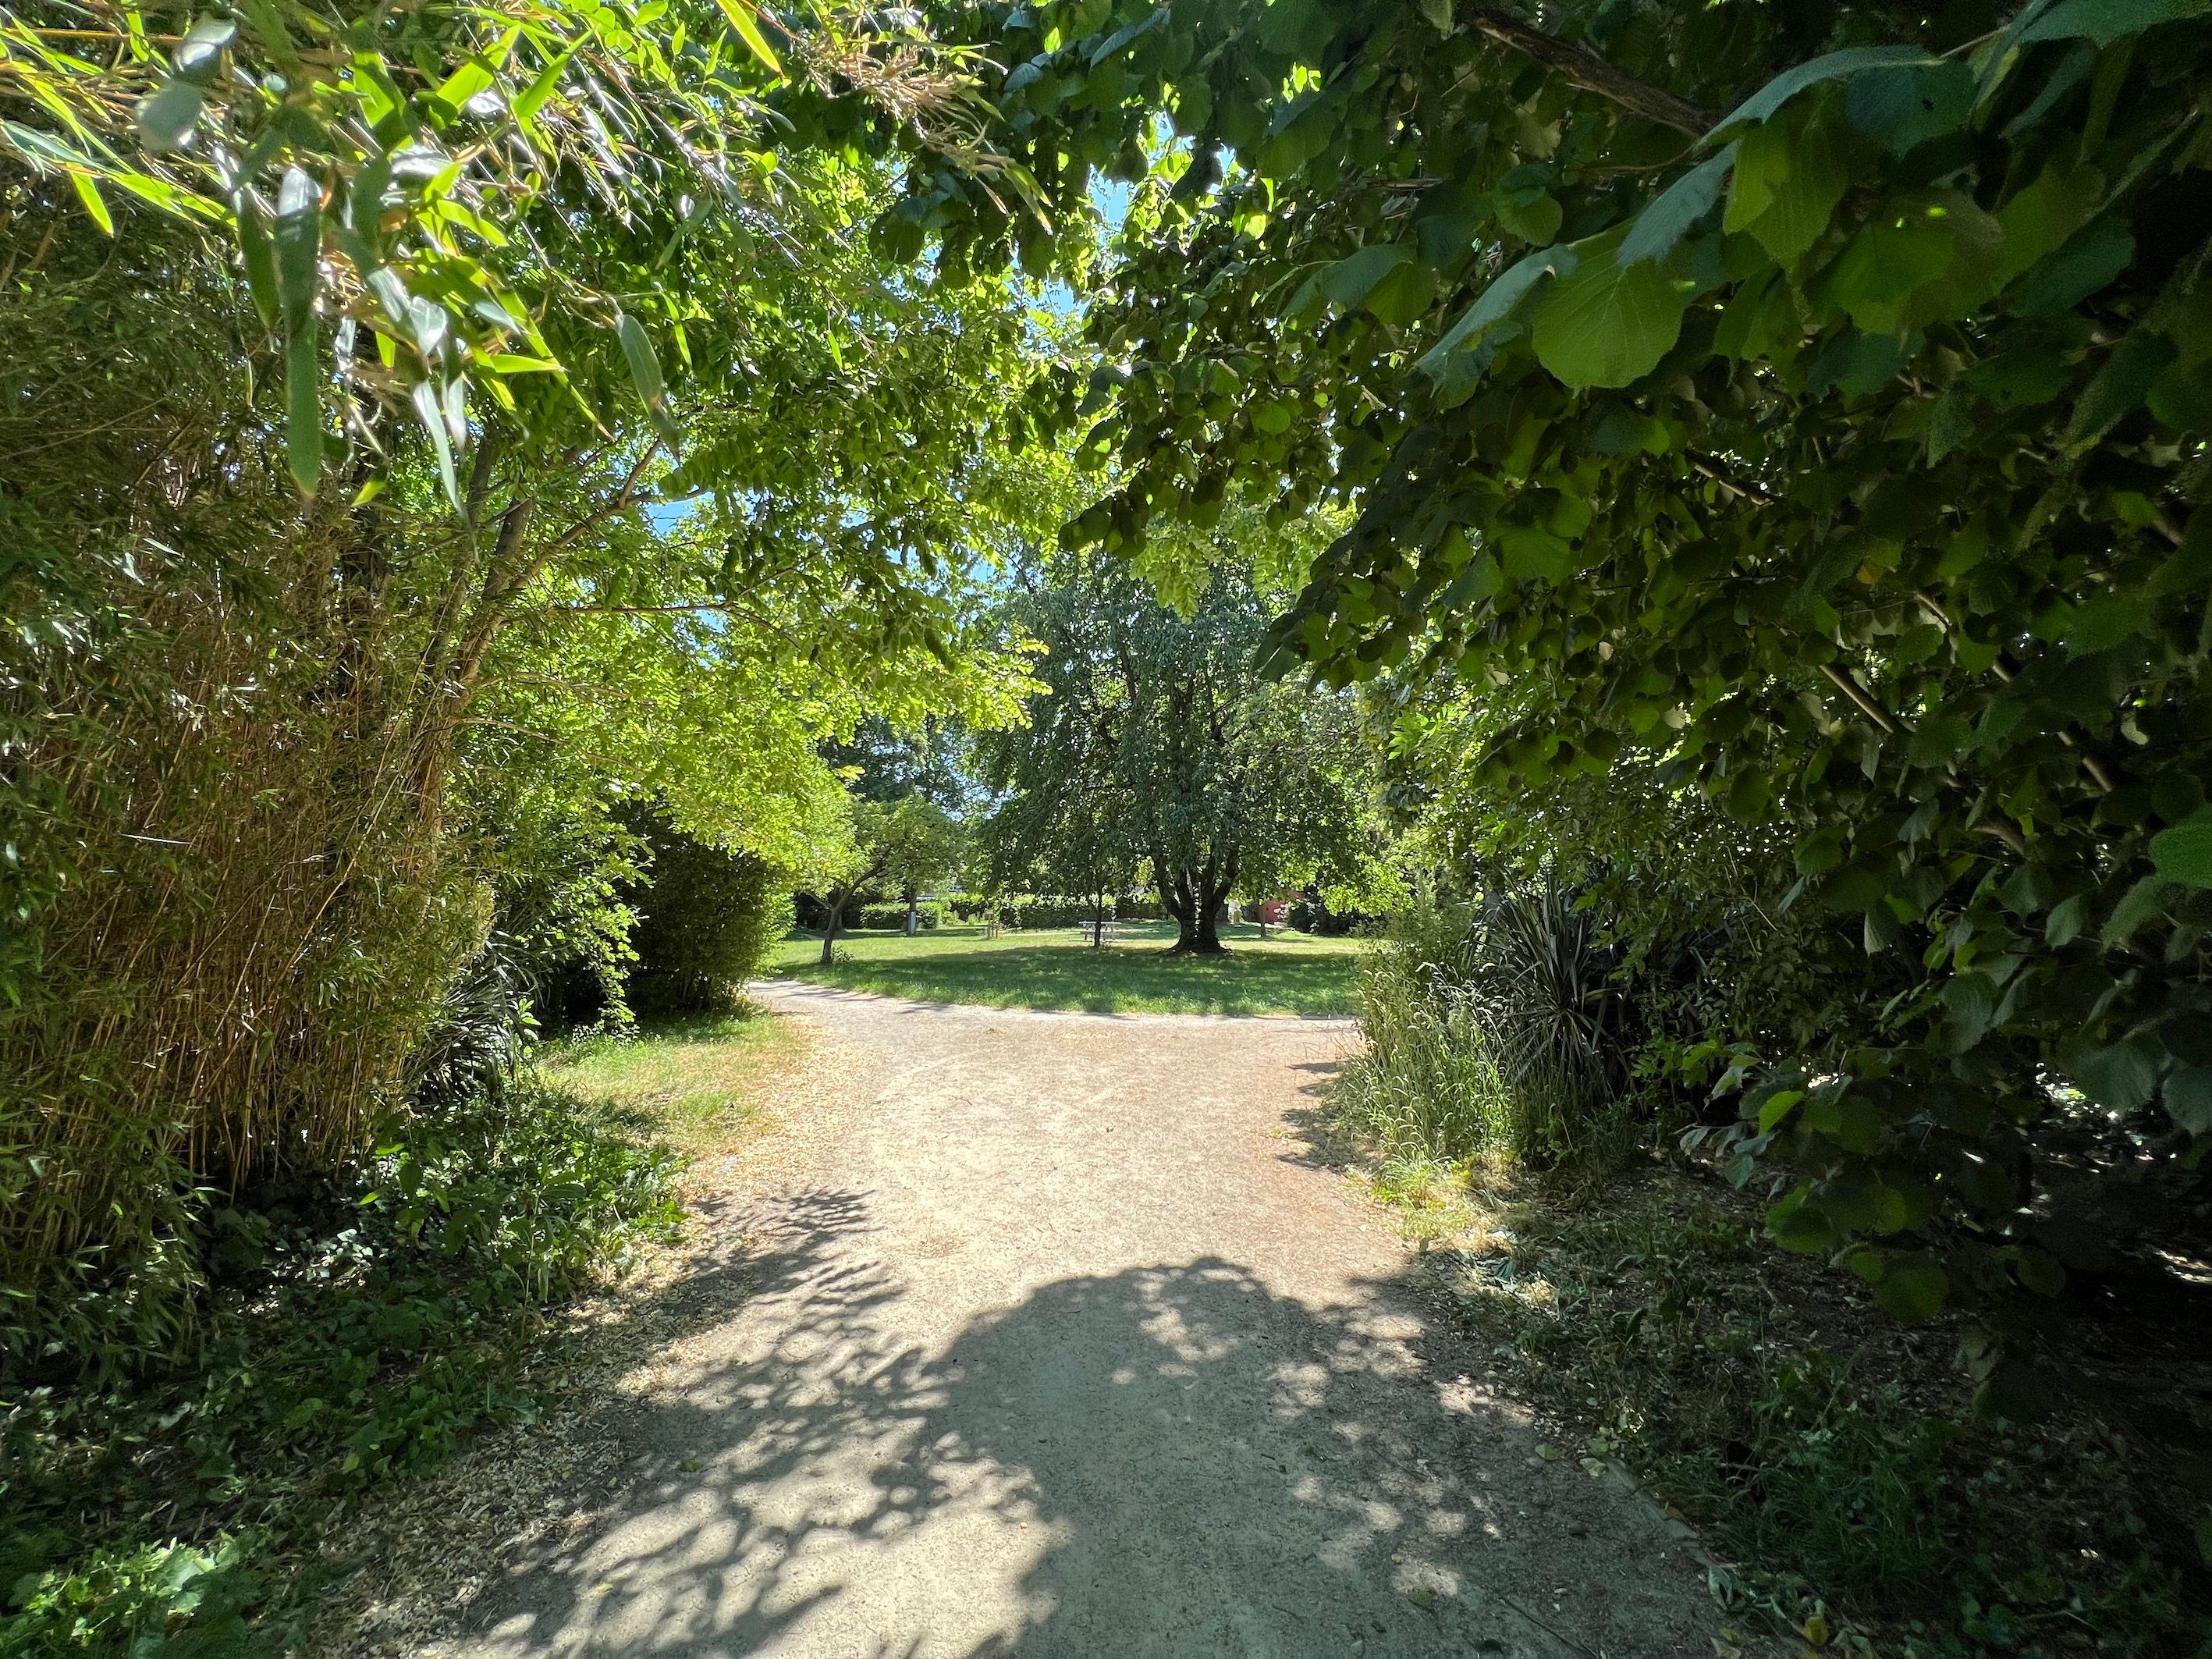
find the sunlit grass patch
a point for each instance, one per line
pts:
(696, 1078)
(1286, 973)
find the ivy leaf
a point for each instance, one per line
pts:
(2183, 853)
(1663, 224)
(1607, 324)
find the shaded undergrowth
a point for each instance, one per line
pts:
(353, 1329)
(1826, 1454)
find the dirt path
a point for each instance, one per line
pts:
(1067, 1347)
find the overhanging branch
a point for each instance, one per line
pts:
(1578, 65)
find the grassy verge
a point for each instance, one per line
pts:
(1287, 973)
(1824, 1451)
(355, 1332)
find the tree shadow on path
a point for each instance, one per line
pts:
(1168, 1460)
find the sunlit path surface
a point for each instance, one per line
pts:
(1070, 1347)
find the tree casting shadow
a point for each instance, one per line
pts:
(1170, 1460)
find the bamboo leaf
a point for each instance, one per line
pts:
(303, 405)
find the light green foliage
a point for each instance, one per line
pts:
(1871, 508)
(1155, 742)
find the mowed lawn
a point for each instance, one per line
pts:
(1287, 973)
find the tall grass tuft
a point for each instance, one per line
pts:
(1492, 1037)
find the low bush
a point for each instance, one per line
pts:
(1830, 1458)
(706, 919)
(354, 1328)
(928, 912)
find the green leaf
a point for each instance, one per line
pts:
(2091, 258)
(198, 56)
(424, 395)
(2038, 220)
(745, 20)
(1535, 221)
(2121, 384)
(1663, 224)
(1497, 299)
(2118, 1075)
(2144, 903)
(298, 234)
(2183, 853)
(1836, 65)
(168, 115)
(88, 193)
(1607, 324)
(1913, 1291)
(1790, 174)
(1903, 109)
(1777, 1106)
(644, 366)
(2104, 22)
(259, 253)
(303, 405)
(1349, 280)
(2067, 920)
(2189, 1099)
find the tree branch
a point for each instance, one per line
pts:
(1579, 66)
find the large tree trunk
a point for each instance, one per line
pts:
(1196, 901)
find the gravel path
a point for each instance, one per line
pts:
(1064, 1345)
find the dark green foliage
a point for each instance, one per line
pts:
(1651, 1323)
(1497, 1029)
(706, 920)
(1841, 459)
(355, 1331)
(926, 914)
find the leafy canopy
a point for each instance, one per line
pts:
(1812, 401)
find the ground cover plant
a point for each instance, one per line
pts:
(1826, 1454)
(1134, 972)
(354, 1331)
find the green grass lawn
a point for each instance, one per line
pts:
(1288, 973)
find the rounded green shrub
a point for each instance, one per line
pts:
(705, 919)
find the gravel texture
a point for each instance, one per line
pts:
(1047, 1333)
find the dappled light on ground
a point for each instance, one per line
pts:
(1072, 1347)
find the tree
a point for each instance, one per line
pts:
(1809, 401)
(348, 374)
(1155, 739)
(912, 842)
